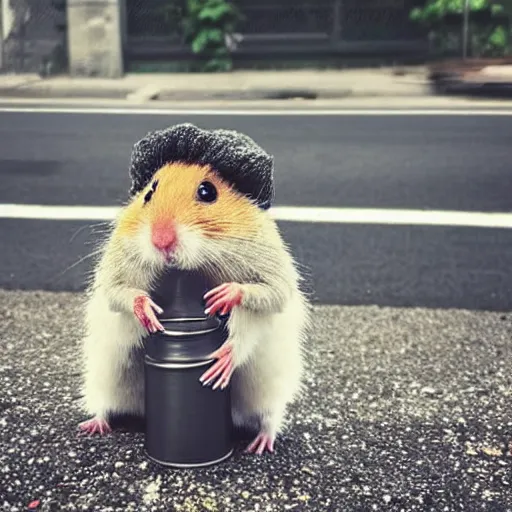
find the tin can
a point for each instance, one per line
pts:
(187, 424)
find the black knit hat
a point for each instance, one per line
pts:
(234, 156)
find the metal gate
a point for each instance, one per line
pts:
(283, 29)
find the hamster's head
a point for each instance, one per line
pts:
(184, 215)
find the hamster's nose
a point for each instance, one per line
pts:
(164, 236)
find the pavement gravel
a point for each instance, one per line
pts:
(404, 409)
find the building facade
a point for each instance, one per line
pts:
(109, 37)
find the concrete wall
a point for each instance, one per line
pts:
(29, 34)
(95, 38)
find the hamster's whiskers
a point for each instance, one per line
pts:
(86, 257)
(105, 225)
(244, 257)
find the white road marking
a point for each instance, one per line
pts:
(53, 212)
(259, 112)
(393, 216)
(382, 216)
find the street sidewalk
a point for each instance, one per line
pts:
(238, 85)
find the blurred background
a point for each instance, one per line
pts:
(54, 36)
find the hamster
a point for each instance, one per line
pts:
(189, 217)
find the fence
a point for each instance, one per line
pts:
(272, 30)
(285, 29)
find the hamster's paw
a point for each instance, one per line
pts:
(95, 426)
(223, 298)
(143, 308)
(262, 442)
(222, 370)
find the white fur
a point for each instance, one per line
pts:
(113, 378)
(268, 355)
(268, 346)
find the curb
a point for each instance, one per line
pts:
(251, 94)
(154, 93)
(49, 93)
(286, 94)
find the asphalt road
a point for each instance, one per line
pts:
(437, 162)
(403, 410)
(420, 162)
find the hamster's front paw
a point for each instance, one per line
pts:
(143, 308)
(222, 370)
(223, 298)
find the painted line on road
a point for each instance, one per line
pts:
(57, 212)
(304, 214)
(259, 112)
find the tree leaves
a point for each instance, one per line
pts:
(215, 13)
(487, 38)
(206, 38)
(435, 10)
(209, 25)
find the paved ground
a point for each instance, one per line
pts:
(404, 410)
(405, 82)
(419, 162)
(238, 85)
(433, 162)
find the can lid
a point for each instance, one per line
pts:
(180, 294)
(189, 334)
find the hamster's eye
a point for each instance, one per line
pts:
(206, 192)
(149, 193)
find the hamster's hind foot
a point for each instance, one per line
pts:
(262, 442)
(95, 426)
(222, 370)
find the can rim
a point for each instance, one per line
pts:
(191, 465)
(184, 334)
(152, 362)
(185, 319)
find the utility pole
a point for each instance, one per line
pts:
(465, 30)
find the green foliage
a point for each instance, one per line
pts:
(491, 42)
(490, 39)
(436, 10)
(209, 25)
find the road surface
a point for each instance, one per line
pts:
(410, 162)
(404, 408)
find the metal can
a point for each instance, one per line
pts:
(187, 425)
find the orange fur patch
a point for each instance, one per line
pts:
(175, 199)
